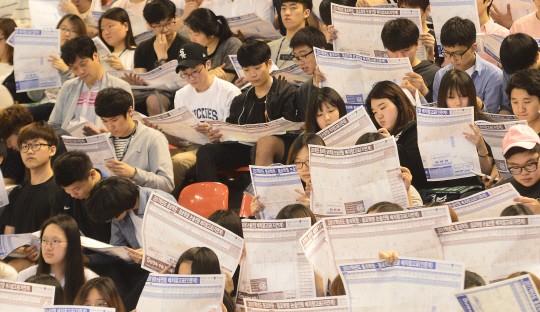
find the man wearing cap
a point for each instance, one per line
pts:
(521, 148)
(206, 95)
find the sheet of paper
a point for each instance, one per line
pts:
(110, 250)
(275, 266)
(345, 131)
(319, 252)
(253, 27)
(502, 118)
(515, 294)
(293, 74)
(407, 285)
(174, 293)
(252, 132)
(518, 8)
(170, 229)
(443, 10)
(25, 297)
(138, 25)
(97, 147)
(276, 185)
(360, 29)
(33, 71)
(163, 77)
(348, 180)
(102, 49)
(77, 131)
(353, 75)
(9, 243)
(446, 153)
(143, 36)
(493, 134)
(490, 44)
(70, 308)
(238, 68)
(45, 14)
(487, 204)
(333, 304)
(4, 200)
(180, 122)
(501, 246)
(97, 16)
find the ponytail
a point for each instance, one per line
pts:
(224, 29)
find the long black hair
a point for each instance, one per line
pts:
(205, 21)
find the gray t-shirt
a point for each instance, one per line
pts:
(282, 54)
(222, 52)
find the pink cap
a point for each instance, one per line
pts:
(520, 136)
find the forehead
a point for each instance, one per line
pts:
(53, 230)
(66, 23)
(522, 93)
(119, 117)
(303, 48)
(289, 3)
(32, 140)
(165, 21)
(79, 60)
(520, 158)
(458, 48)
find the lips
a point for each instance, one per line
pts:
(48, 255)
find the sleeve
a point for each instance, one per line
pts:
(265, 10)
(233, 45)
(9, 215)
(505, 98)
(138, 59)
(65, 76)
(233, 113)
(57, 113)
(437, 84)
(161, 175)
(57, 201)
(288, 109)
(117, 238)
(492, 93)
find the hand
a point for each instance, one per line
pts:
(121, 169)
(406, 176)
(407, 85)
(203, 128)
(532, 203)
(362, 3)
(308, 189)
(502, 19)
(390, 256)
(133, 79)
(31, 252)
(189, 7)
(304, 199)
(318, 76)
(241, 82)
(68, 8)
(479, 103)
(256, 207)
(384, 132)
(115, 62)
(280, 78)
(135, 255)
(229, 283)
(331, 34)
(151, 125)
(218, 72)
(161, 46)
(240, 36)
(91, 130)
(490, 183)
(417, 81)
(166, 269)
(58, 63)
(477, 139)
(214, 136)
(429, 42)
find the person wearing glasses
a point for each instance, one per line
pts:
(61, 256)
(458, 37)
(155, 52)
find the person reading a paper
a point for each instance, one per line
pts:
(524, 91)
(100, 292)
(116, 32)
(81, 8)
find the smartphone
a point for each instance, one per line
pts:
(480, 174)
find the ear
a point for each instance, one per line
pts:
(52, 151)
(95, 56)
(307, 12)
(270, 63)
(428, 10)
(126, 26)
(130, 112)
(208, 64)
(474, 47)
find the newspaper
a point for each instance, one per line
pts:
(502, 118)
(78, 130)
(110, 250)
(44, 14)
(333, 304)
(102, 49)
(490, 44)
(180, 122)
(97, 147)
(71, 308)
(163, 77)
(9, 243)
(293, 74)
(251, 133)
(518, 8)
(346, 131)
(25, 297)
(253, 27)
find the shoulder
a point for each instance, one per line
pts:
(232, 43)
(489, 68)
(117, 82)
(146, 44)
(276, 42)
(442, 71)
(7, 272)
(284, 87)
(225, 85)
(179, 40)
(148, 132)
(71, 83)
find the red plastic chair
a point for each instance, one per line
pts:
(245, 209)
(205, 198)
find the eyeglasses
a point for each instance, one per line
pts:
(302, 57)
(528, 167)
(73, 32)
(160, 28)
(3, 38)
(34, 146)
(456, 56)
(300, 165)
(53, 243)
(193, 75)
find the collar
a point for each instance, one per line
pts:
(479, 65)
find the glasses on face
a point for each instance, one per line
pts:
(528, 167)
(160, 28)
(300, 165)
(193, 75)
(456, 56)
(53, 243)
(34, 146)
(2, 38)
(73, 32)
(302, 57)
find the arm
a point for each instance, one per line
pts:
(288, 110)
(161, 170)
(437, 84)
(57, 113)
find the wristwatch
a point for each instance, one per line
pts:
(161, 62)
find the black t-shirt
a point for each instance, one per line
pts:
(145, 55)
(527, 191)
(13, 166)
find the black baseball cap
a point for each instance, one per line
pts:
(190, 55)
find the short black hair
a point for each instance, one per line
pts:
(325, 9)
(458, 32)
(229, 220)
(156, 11)
(82, 47)
(473, 280)
(518, 51)
(526, 79)
(38, 130)
(204, 21)
(308, 36)
(307, 4)
(516, 210)
(71, 167)
(400, 34)
(518, 150)
(253, 53)
(369, 137)
(111, 102)
(384, 206)
(3, 148)
(110, 197)
(422, 4)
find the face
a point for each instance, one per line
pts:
(455, 100)
(95, 299)
(82, 5)
(34, 159)
(81, 189)
(525, 106)
(12, 142)
(67, 31)
(200, 71)
(185, 268)
(113, 32)
(306, 59)
(293, 14)
(119, 126)
(258, 75)
(88, 69)
(467, 59)
(53, 233)
(167, 29)
(525, 178)
(385, 112)
(328, 115)
(302, 156)
(409, 53)
(199, 37)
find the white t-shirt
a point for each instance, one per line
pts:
(7, 272)
(212, 104)
(127, 58)
(5, 70)
(137, 223)
(137, 9)
(31, 271)
(228, 8)
(85, 110)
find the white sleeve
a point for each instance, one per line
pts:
(265, 10)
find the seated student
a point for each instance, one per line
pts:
(213, 32)
(61, 256)
(75, 102)
(81, 8)
(155, 52)
(268, 99)
(31, 203)
(523, 88)
(516, 210)
(528, 24)
(74, 173)
(142, 152)
(458, 37)
(100, 292)
(518, 51)
(46, 279)
(401, 38)
(293, 14)
(116, 32)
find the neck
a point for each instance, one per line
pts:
(472, 63)
(484, 18)
(294, 30)
(41, 174)
(263, 89)
(100, 76)
(129, 130)
(415, 62)
(120, 47)
(535, 124)
(209, 81)
(212, 45)
(58, 270)
(4, 58)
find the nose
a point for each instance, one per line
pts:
(327, 116)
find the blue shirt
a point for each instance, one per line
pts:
(487, 79)
(505, 102)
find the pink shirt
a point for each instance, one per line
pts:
(492, 28)
(528, 24)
